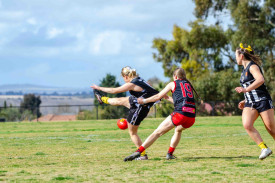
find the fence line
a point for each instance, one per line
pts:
(96, 111)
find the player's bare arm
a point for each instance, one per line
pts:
(121, 89)
(170, 99)
(259, 80)
(158, 96)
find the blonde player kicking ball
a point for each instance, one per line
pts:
(137, 87)
(257, 99)
(183, 116)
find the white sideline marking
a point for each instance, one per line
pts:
(88, 138)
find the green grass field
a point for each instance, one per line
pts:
(215, 149)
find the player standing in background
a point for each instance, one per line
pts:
(257, 99)
(137, 87)
(182, 118)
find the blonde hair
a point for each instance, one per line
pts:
(128, 71)
(249, 54)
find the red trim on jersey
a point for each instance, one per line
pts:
(175, 87)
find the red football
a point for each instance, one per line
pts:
(122, 123)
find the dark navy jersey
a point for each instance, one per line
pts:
(257, 94)
(183, 97)
(147, 91)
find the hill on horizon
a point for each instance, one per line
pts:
(40, 89)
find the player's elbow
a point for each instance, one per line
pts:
(158, 97)
(261, 80)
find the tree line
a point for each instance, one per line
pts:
(28, 110)
(207, 52)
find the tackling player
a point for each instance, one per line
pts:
(182, 118)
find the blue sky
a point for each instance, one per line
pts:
(68, 43)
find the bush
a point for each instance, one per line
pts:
(27, 115)
(86, 115)
(11, 114)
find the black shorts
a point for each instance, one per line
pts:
(260, 106)
(137, 112)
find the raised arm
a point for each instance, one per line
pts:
(158, 96)
(121, 89)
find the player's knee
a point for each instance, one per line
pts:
(132, 133)
(179, 130)
(158, 133)
(272, 132)
(248, 126)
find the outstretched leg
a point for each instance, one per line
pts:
(124, 101)
(121, 101)
(163, 128)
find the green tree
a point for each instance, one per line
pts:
(253, 23)
(32, 103)
(205, 49)
(197, 51)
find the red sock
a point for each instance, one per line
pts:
(171, 150)
(140, 149)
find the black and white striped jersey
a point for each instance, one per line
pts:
(257, 94)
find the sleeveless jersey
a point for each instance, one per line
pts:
(257, 94)
(147, 91)
(184, 102)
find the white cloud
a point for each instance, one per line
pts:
(32, 21)
(12, 16)
(107, 43)
(54, 32)
(86, 33)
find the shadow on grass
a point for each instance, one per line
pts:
(219, 157)
(186, 159)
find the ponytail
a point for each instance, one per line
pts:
(249, 54)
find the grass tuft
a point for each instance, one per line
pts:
(63, 178)
(40, 153)
(244, 165)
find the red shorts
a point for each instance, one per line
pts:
(184, 121)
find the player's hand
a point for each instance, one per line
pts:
(241, 104)
(95, 87)
(166, 97)
(240, 89)
(140, 100)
